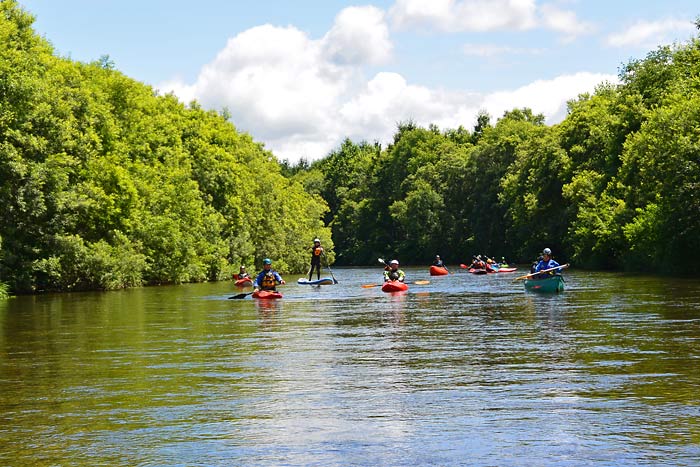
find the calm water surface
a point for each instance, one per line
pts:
(467, 370)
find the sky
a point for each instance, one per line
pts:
(301, 76)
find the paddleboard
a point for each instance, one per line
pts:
(322, 281)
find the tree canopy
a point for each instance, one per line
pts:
(105, 183)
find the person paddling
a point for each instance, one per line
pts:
(316, 252)
(394, 273)
(439, 263)
(546, 263)
(268, 278)
(242, 274)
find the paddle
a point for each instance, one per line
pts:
(329, 268)
(563, 266)
(240, 295)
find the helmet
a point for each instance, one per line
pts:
(242, 267)
(317, 240)
(547, 252)
(437, 256)
(267, 261)
(394, 261)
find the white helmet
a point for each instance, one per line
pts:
(547, 252)
(394, 261)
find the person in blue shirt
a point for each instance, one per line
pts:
(546, 263)
(268, 278)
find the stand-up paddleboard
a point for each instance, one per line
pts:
(321, 281)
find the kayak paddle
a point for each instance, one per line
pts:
(563, 266)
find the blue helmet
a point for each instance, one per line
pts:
(267, 261)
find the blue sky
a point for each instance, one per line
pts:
(300, 76)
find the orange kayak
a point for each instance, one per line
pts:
(438, 271)
(267, 294)
(394, 286)
(243, 282)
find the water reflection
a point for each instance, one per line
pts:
(466, 370)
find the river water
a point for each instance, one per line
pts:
(466, 370)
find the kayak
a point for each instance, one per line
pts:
(322, 281)
(394, 286)
(243, 282)
(547, 285)
(478, 271)
(507, 269)
(438, 271)
(267, 294)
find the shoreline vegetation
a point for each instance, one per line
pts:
(107, 184)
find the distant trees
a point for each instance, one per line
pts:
(106, 184)
(614, 186)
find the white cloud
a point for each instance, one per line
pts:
(651, 33)
(564, 21)
(548, 97)
(486, 15)
(464, 15)
(303, 96)
(359, 35)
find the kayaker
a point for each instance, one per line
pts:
(546, 263)
(316, 252)
(439, 263)
(242, 274)
(477, 263)
(489, 265)
(268, 278)
(394, 273)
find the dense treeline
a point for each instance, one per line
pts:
(105, 184)
(616, 185)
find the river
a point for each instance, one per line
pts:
(466, 370)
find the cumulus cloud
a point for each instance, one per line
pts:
(651, 33)
(360, 35)
(548, 97)
(564, 22)
(486, 15)
(302, 96)
(464, 15)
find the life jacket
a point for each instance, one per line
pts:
(268, 281)
(317, 250)
(242, 275)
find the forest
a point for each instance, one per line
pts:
(106, 184)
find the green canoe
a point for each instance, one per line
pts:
(547, 285)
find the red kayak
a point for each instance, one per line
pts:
(478, 271)
(394, 286)
(438, 271)
(507, 269)
(243, 282)
(267, 294)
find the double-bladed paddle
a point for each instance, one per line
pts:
(563, 266)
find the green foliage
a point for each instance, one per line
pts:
(104, 184)
(612, 186)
